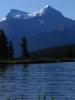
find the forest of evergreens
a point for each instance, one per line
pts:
(58, 52)
(7, 50)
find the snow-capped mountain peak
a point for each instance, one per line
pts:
(47, 10)
(44, 8)
(25, 15)
(18, 14)
(40, 12)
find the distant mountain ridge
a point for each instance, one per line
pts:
(43, 29)
(16, 14)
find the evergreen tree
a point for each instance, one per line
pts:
(24, 52)
(11, 50)
(4, 50)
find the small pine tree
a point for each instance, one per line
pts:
(24, 52)
(11, 50)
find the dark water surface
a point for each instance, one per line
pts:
(28, 81)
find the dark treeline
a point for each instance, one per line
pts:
(7, 50)
(67, 51)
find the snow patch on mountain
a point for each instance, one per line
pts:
(18, 14)
(42, 10)
(3, 19)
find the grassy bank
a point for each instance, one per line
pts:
(36, 60)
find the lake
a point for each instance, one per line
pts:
(26, 82)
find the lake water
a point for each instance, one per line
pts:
(26, 82)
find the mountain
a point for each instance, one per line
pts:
(43, 29)
(17, 14)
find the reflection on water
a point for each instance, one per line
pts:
(29, 81)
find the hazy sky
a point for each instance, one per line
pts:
(67, 7)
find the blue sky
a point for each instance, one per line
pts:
(67, 7)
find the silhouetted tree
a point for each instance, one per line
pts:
(4, 49)
(11, 50)
(24, 52)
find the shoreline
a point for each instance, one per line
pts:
(36, 61)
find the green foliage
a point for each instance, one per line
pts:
(52, 98)
(15, 98)
(38, 98)
(8, 98)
